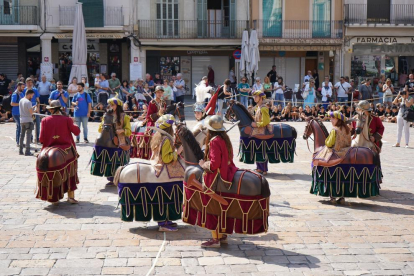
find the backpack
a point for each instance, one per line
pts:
(7, 102)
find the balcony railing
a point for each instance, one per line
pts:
(22, 15)
(190, 29)
(396, 14)
(299, 28)
(113, 16)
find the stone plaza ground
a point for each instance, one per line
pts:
(307, 236)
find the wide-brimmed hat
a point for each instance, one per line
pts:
(115, 101)
(198, 108)
(214, 123)
(54, 104)
(338, 115)
(165, 121)
(364, 106)
(159, 88)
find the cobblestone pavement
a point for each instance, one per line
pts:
(307, 236)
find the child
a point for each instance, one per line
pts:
(286, 114)
(295, 114)
(387, 114)
(394, 114)
(308, 112)
(301, 113)
(321, 113)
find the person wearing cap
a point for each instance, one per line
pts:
(56, 132)
(338, 142)
(163, 157)
(261, 120)
(114, 85)
(376, 128)
(113, 157)
(217, 162)
(156, 107)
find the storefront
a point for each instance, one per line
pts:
(105, 55)
(193, 64)
(372, 57)
(294, 61)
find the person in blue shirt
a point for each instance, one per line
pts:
(35, 101)
(61, 95)
(16, 97)
(82, 103)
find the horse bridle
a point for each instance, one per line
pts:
(178, 142)
(232, 111)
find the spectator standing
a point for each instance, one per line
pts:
(316, 78)
(139, 84)
(388, 90)
(404, 101)
(366, 90)
(232, 78)
(53, 86)
(272, 74)
(267, 87)
(308, 76)
(103, 85)
(278, 95)
(342, 90)
(168, 93)
(61, 95)
(35, 102)
(150, 82)
(83, 107)
(72, 89)
(326, 92)
(124, 91)
(309, 94)
(210, 76)
(26, 121)
(16, 97)
(44, 92)
(114, 85)
(244, 89)
(409, 85)
(378, 90)
(157, 79)
(180, 86)
(4, 87)
(174, 90)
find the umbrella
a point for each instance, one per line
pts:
(245, 58)
(254, 52)
(79, 51)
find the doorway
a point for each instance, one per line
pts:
(216, 18)
(310, 65)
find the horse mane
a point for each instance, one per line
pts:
(191, 141)
(322, 126)
(239, 104)
(170, 108)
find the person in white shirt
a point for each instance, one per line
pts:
(327, 82)
(232, 78)
(342, 90)
(308, 76)
(326, 92)
(44, 91)
(278, 94)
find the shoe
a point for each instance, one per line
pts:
(224, 240)
(77, 141)
(259, 171)
(86, 141)
(396, 145)
(28, 154)
(333, 201)
(72, 201)
(406, 146)
(211, 243)
(21, 152)
(341, 200)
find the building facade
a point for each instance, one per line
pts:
(379, 39)
(298, 36)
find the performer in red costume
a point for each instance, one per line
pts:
(156, 107)
(57, 162)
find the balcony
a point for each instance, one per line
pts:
(22, 15)
(299, 29)
(396, 14)
(112, 16)
(191, 29)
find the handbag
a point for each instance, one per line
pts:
(408, 115)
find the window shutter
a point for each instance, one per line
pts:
(93, 13)
(232, 18)
(202, 17)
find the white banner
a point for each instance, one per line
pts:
(135, 71)
(46, 69)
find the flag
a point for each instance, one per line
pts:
(211, 106)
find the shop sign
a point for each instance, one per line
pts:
(92, 36)
(67, 46)
(382, 39)
(298, 48)
(383, 49)
(303, 41)
(197, 53)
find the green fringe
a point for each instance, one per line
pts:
(106, 165)
(273, 154)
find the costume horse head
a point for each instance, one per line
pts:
(177, 110)
(106, 137)
(362, 132)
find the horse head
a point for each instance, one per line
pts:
(360, 119)
(316, 127)
(105, 138)
(239, 112)
(192, 150)
(177, 110)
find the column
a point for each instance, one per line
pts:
(46, 66)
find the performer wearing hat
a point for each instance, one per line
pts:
(376, 128)
(218, 162)
(156, 107)
(199, 113)
(105, 160)
(165, 157)
(261, 120)
(55, 178)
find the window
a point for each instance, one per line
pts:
(321, 25)
(272, 18)
(93, 13)
(167, 18)
(378, 11)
